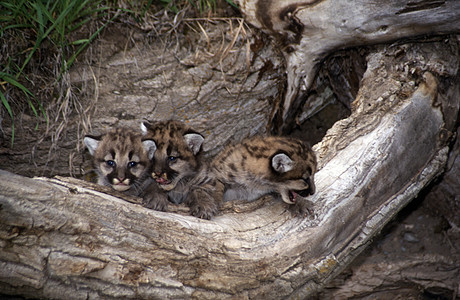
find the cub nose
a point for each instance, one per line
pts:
(121, 175)
(159, 175)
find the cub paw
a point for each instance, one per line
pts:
(202, 205)
(203, 211)
(302, 208)
(155, 200)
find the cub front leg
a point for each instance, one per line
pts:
(204, 201)
(302, 208)
(154, 198)
(202, 204)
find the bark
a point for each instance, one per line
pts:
(64, 237)
(310, 30)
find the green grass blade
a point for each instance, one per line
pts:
(232, 3)
(10, 112)
(79, 42)
(75, 26)
(14, 26)
(146, 8)
(14, 8)
(6, 104)
(11, 80)
(41, 37)
(40, 21)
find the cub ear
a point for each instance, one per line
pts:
(150, 147)
(91, 142)
(194, 141)
(145, 127)
(282, 163)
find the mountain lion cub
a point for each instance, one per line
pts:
(263, 165)
(122, 160)
(175, 164)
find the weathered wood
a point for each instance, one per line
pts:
(63, 238)
(310, 30)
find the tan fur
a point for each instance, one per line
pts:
(175, 165)
(264, 165)
(121, 160)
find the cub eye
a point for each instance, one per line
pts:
(132, 164)
(111, 163)
(172, 158)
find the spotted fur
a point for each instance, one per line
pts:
(264, 165)
(175, 165)
(121, 160)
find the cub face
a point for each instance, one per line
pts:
(296, 173)
(121, 159)
(176, 152)
(264, 165)
(177, 169)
